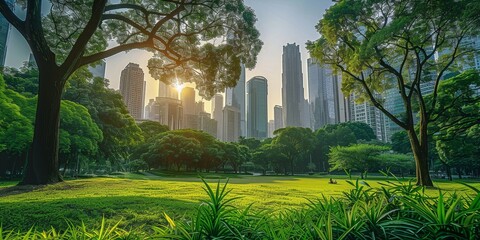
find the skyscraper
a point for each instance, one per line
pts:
(207, 124)
(231, 118)
(292, 86)
(170, 112)
(167, 91)
(235, 97)
(98, 70)
(190, 119)
(257, 108)
(343, 111)
(278, 117)
(217, 112)
(369, 114)
(4, 30)
(132, 88)
(323, 94)
(271, 128)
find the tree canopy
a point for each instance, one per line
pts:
(388, 44)
(201, 41)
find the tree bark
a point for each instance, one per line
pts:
(459, 173)
(42, 162)
(420, 153)
(449, 172)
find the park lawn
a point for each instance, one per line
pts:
(141, 200)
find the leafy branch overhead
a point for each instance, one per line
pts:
(201, 41)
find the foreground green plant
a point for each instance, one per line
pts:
(396, 210)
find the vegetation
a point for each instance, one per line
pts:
(361, 157)
(457, 124)
(379, 45)
(180, 33)
(393, 210)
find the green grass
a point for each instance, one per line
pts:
(141, 200)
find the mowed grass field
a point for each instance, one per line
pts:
(141, 200)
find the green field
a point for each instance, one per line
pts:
(141, 200)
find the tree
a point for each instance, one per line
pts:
(183, 34)
(235, 155)
(79, 134)
(383, 44)
(400, 142)
(170, 149)
(456, 121)
(362, 131)
(329, 136)
(15, 131)
(105, 105)
(252, 143)
(152, 128)
(359, 157)
(397, 163)
(294, 143)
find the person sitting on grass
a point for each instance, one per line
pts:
(332, 181)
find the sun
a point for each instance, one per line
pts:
(178, 86)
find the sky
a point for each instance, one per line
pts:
(279, 22)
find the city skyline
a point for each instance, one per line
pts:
(278, 24)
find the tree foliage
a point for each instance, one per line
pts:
(360, 157)
(294, 143)
(379, 45)
(456, 122)
(204, 41)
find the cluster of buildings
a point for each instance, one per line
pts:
(243, 110)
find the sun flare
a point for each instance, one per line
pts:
(178, 86)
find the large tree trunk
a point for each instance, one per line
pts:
(420, 153)
(42, 162)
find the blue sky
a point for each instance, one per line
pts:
(279, 22)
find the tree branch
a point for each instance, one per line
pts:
(78, 48)
(84, 60)
(11, 17)
(372, 98)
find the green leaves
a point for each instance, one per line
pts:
(360, 157)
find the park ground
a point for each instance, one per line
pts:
(140, 200)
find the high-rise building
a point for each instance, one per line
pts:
(207, 124)
(271, 128)
(343, 111)
(190, 118)
(167, 91)
(31, 61)
(132, 88)
(323, 94)
(367, 113)
(170, 112)
(99, 69)
(217, 112)
(188, 100)
(278, 117)
(150, 110)
(231, 118)
(305, 115)
(4, 31)
(235, 97)
(257, 108)
(292, 86)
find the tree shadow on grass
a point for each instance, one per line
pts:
(19, 189)
(133, 212)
